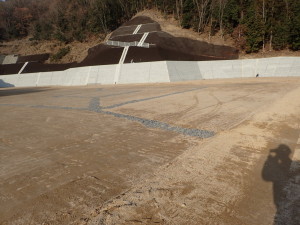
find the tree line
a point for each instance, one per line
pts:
(253, 24)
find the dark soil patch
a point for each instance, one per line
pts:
(138, 20)
(102, 55)
(33, 58)
(40, 67)
(150, 28)
(128, 38)
(123, 31)
(10, 68)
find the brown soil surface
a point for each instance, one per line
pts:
(66, 160)
(26, 47)
(268, 53)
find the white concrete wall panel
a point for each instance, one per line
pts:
(134, 73)
(295, 68)
(261, 67)
(183, 71)
(216, 70)
(67, 78)
(105, 74)
(280, 71)
(149, 72)
(227, 68)
(205, 68)
(222, 69)
(249, 68)
(26, 80)
(237, 70)
(93, 75)
(45, 79)
(295, 71)
(57, 78)
(78, 76)
(159, 72)
(296, 61)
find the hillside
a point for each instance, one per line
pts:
(79, 50)
(253, 25)
(146, 42)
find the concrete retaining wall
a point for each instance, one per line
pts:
(154, 72)
(102, 74)
(265, 67)
(2, 57)
(10, 59)
(150, 72)
(27, 80)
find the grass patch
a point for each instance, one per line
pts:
(60, 54)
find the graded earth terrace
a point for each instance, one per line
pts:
(180, 153)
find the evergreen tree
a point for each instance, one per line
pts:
(254, 30)
(232, 15)
(187, 17)
(294, 34)
(281, 35)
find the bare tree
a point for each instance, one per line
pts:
(222, 4)
(202, 8)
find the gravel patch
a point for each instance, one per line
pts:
(95, 105)
(163, 126)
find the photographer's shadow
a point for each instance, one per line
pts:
(285, 175)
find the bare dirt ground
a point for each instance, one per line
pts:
(133, 154)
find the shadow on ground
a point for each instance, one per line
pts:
(5, 85)
(285, 176)
(18, 91)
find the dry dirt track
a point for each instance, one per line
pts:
(181, 153)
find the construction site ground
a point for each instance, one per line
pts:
(201, 152)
